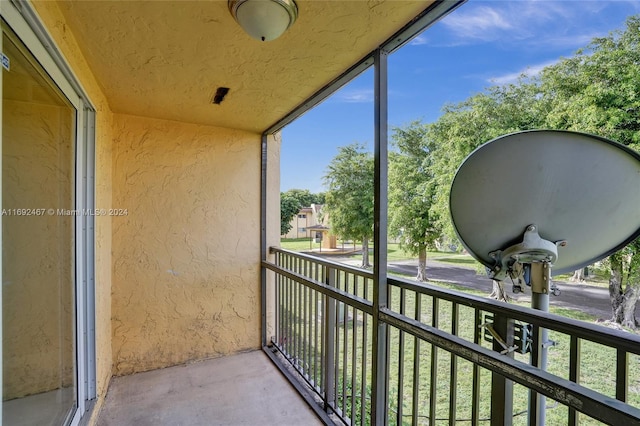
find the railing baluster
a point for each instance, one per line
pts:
(401, 359)
(345, 350)
(278, 283)
(453, 372)
(416, 366)
(622, 374)
(296, 317)
(475, 396)
(305, 325)
(574, 373)
(313, 322)
(330, 350)
(365, 351)
(323, 335)
(287, 337)
(434, 364)
(354, 354)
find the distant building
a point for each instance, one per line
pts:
(306, 218)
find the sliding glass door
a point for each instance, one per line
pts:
(38, 243)
(47, 193)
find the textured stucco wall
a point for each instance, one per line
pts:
(56, 25)
(186, 258)
(37, 273)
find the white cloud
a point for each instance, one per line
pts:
(356, 96)
(570, 41)
(419, 41)
(530, 71)
(482, 22)
(529, 23)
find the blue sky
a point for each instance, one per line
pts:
(481, 44)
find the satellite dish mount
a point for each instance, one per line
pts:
(533, 249)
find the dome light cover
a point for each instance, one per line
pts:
(264, 20)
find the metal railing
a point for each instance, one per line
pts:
(451, 357)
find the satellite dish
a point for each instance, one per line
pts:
(566, 198)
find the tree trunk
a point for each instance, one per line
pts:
(630, 299)
(422, 264)
(498, 292)
(365, 253)
(623, 302)
(578, 275)
(615, 287)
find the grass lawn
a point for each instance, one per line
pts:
(394, 252)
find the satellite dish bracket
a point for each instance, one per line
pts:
(532, 249)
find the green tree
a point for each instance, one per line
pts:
(598, 91)
(289, 207)
(464, 126)
(595, 91)
(411, 193)
(292, 201)
(349, 196)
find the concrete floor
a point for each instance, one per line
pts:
(243, 389)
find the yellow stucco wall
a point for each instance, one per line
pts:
(186, 258)
(55, 23)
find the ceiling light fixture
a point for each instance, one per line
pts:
(264, 20)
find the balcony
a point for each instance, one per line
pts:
(163, 308)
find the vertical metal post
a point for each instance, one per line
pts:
(540, 280)
(263, 238)
(622, 375)
(502, 388)
(415, 405)
(329, 370)
(433, 381)
(574, 374)
(475, 393)
(380, 372)
(453, 370)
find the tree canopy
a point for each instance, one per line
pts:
(595, 91)
(349, 196)
(411, 193)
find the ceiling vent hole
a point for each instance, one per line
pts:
(221, 92)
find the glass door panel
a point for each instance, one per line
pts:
(38, 271)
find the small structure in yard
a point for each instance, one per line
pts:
(320, 234)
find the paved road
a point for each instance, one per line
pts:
(590, 299)
(586, 298)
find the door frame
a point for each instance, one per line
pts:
(22, 19)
